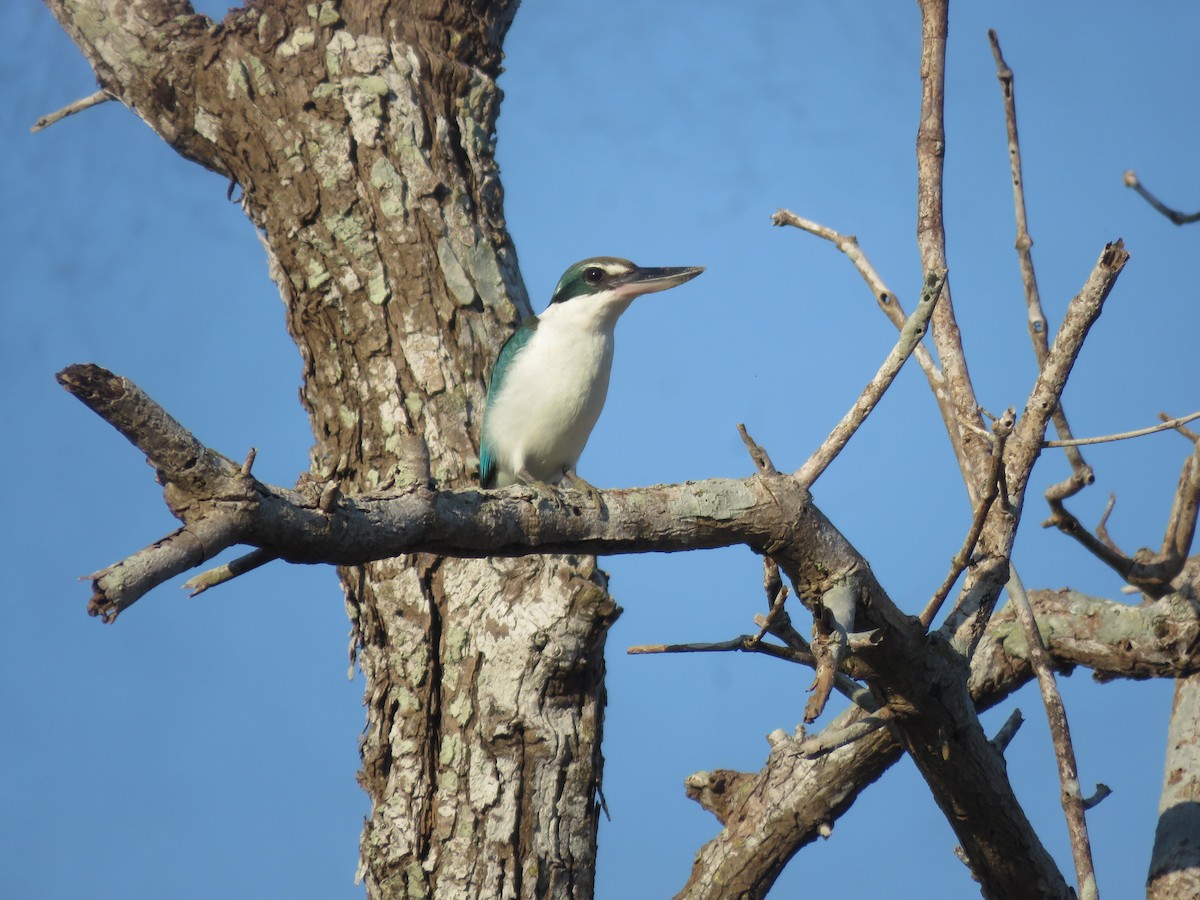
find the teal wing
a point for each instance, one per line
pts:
(517, 340)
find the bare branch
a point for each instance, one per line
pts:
(122, 584)
(910, 339)
(1186, 432)
(762, 461)
(221, 507)
(832, 739)
(987, 578)
(792, 800)
(229, 571)
(1002, 429)
(1179, 218)
(834, 618)
(168, 446)
(1152, 573)
(771, 814)
(1102, 525)
(777, 594)
(1102, 793)
(746, 643)
(1008, 730)
(101, 96)
(1082, 313)
(1068, 772)
(161, 87)
(1033, 302)
(888, 301)
(1167, 425)
(931, 239)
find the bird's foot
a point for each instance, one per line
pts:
(541, 490)
(575, 483)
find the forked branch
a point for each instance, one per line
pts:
(1152, 573)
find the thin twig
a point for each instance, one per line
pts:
(1068, 773)
(1131, 181)
(1102, 525)
(957, 428)
(777, 593)
(1008, 730)
(70, 109)
(1002, 429)
(1103, 791)
(1168, 425)
(1036, 318)
(759, 456)
(229, 571)
(887, 300)
(844, 684)
(910, 338)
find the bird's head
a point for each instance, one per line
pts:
(609, 282)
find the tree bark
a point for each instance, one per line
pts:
(1175, 860)
(362, 136)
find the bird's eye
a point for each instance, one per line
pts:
(593, 275)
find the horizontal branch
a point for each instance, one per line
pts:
(1167, 425)
(221, 506)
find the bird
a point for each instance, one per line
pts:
(550, 379)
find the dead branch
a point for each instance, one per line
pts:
(1165, 425)
(1152, 573)
(829, 740)
(1036, 318)
(887, 300)
(746, 643)
(1001, 429)
(1008, 730)
(221, 507)
(910, 339)
(1064, 751)
(1186, 432)
(787, 804)
(987, 578)
(1179, 218)
(78, 106)
(229, 571)
(931, 240)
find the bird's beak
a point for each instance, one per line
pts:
(647, 280)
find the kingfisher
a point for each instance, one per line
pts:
(551, 376)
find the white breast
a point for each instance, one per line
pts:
(553, 392)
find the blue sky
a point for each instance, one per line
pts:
(207, 747)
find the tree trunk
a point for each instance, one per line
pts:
(362, 136)
(1175, 862)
